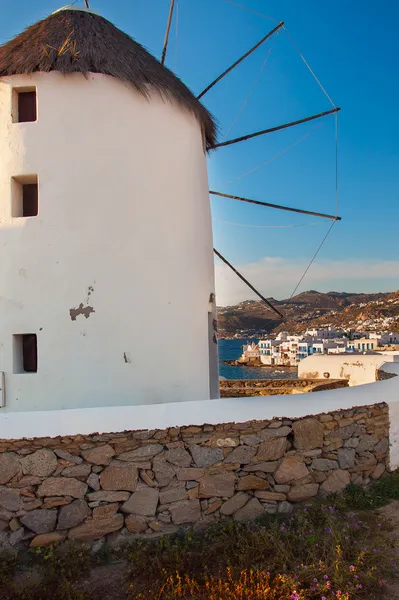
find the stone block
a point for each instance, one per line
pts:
(135, 524)
(41, 463)
(217, 485)
(73, 514)
(204, 456)
(164, 472)
(324, 464)
(143, 502)
(172, 495)
(265, 467)
(346, 457)
(82, 470)
(303, 492)
(308, 434)
(251, 510)
(270, 496)
(285, 508)
(234, 504)
(10, 499)
(289, 470)
(336, 481)
(93, 481)
(108, 496)
(179, 457)
(106, 511)
(41, 520)
(241, 455)
(96, 528)
(190, 474)
(122, 478)
(45, 539)
(378, 471)
(252, 482)
(62, 486)
(275, 433)
(68, 456)
(188, 511)
(10, 466)
(273, 449)
(100, 455)
(142, 453)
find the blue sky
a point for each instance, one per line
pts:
(352, 48)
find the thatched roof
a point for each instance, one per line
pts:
(80, 41)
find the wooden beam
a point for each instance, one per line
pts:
(279, 206)
(269, 304)
(234, 65)
(169, 23)
(272, 129)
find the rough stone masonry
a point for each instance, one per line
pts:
(121, 485)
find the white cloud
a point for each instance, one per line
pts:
(277, 277)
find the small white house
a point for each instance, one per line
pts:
(105, 223)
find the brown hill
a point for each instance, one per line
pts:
(312, 309)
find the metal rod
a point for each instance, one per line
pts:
(269, 304)
(266, 37)
(165, 43)
(87, 3)
(279, 206)
(272, 129)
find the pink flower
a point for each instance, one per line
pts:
(351, 568)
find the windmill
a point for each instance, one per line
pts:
(333, 111)
(105, 214)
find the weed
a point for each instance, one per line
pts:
(378, 494)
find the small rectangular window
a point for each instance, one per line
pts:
(25, 353)
(25, 196)
(24, 105)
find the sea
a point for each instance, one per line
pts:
(232, 349)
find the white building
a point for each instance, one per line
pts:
(385, 338)
(105, 223)
(324, 334)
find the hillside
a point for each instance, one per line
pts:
(312, 309)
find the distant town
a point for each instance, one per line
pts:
(288, 350)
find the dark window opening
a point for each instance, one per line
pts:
(25, 353)
(25, 196)
(29, 200)
(26, 106)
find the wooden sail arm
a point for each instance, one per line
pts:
(269, 304)
(169, 23)
(272, 129)
(237, 62)
(278, 206)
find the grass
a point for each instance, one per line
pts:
(378, 494)
(334, 550)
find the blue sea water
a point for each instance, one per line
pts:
(232, 349)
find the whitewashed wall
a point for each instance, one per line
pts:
(124, 227)
(358, 369)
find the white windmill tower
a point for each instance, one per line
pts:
(106, 274)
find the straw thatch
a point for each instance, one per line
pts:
(78, 41)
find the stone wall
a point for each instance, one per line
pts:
(150, 482)
(239, 388)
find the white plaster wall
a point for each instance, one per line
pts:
(124, 210)
(226, 410)
(358, 369)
